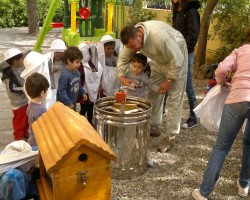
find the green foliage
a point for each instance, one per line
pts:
(137, 14)
(169, 18)
(13, 13)
(232, 21)
(43, 8)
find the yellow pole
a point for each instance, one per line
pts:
(110, 17)
(73, 16)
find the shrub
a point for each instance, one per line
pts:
(43, 8)
(232, 23)
(137, 14)
(13, 13)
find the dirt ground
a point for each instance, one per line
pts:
(179, 171)
(176, 173)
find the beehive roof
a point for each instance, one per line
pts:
(60, 131)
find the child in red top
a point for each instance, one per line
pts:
(211, 76)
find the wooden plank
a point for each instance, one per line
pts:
(127, 106)
(40, 190)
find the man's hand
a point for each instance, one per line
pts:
(165, 86)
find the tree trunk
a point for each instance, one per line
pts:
(202, 42)
(32, 17)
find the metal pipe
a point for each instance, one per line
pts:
(73, 15)
(46, 26)
(66, 18)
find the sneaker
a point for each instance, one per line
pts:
(243, 192)
(197, 195)
(155, 131)
(190, 123)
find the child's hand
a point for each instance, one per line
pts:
(72, 106)
(132, 85)
(125, 82)
(85, 97)
(101, 91)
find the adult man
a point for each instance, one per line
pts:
(167, 49)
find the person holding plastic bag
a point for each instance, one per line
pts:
(235, 111)
(210, 109)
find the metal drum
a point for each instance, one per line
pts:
(126, 134)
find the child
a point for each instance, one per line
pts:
(36, 86)
(139, 78)
(14, 87)
(56, 65)
(36, 62)
(69, 86)
(210, 85)
(211, 76)
(108, 52)
(91, 73)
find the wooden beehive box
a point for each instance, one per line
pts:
(74, 160)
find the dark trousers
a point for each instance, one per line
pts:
(87, 108)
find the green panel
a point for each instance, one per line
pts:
(110, 1)
(71, 39)
(100, 32)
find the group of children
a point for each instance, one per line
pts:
(34, 82)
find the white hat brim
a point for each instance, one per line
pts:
(4, 64)
(56, 50)
(17, 150)
(24, 164)
(109, 40)
(9, 159)
(30, 69)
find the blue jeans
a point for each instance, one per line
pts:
(189, 88)
(233, 117)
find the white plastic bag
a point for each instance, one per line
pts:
(210, 109)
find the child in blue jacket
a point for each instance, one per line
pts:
(69, 86)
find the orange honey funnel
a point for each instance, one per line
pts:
(120, 96)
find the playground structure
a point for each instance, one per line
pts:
(85, 20)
